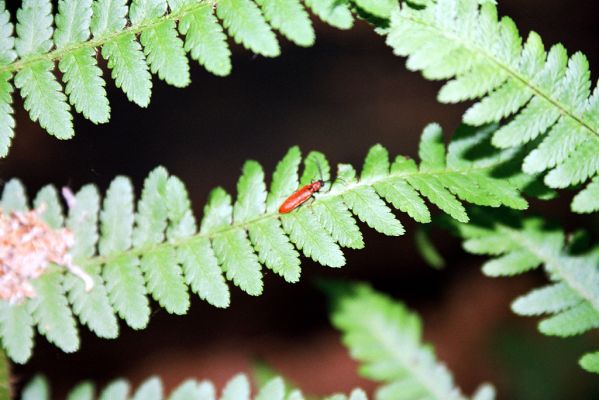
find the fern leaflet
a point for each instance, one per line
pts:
(237, 388)
(571, 299)
(137, 40)
(386, 338)
(157, 249)
(543, 97)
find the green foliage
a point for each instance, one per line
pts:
(237, 388)
(5, 389)
(156, 249)
(541, 98)
(571, 299)
(137, 40)
(386, 338)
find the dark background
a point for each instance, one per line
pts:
(341, 96)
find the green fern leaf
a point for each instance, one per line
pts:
(129, 68)
(202, 272)
(303, 227)
(7, 56)
(304, 230)
(581, 164)
(72, 22)
(251, 193)
(85, 86)
(182, 223)
(151, 217)
(116, 390)
(231, 247)
(404, 197)
(163, 275)
(44, 99)
(190, 390)
(163, 48)
(547, 300)
(42, 94)
(587, 200)
(376, 164)
(7, 41)
(484, 392)
(47, 201)
(108, 16)
(81, 74)
(514, 263)
(477, 82)
(284, 180)
(165, 280)
(52, 314)
(545, 95)
(124, 54)
(36, 389)
(7, 121)
(439, 196)
(571, 300)
(14, 197)
(117, 218)
(151, 389)
(157, 249)
(237, 388)
(272, 390)
(378, 8)
(124, 280)
(93, 309)
(432, 149)
(295, 395)
(335, 217)
(574, 321)
(590, 362)
(290, 18)
(274, 249)
(83, 221)
(333, 13)
(143, 10)
(83, 391)
(16, 330)
(205, 40)
(34, 27)
(365, 203)
(246, 25)
(562, 139)
(127, 290)
(386, 338)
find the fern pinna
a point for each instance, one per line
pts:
(237, 388)
(147, 36)
(386, 338)
(571, 299)
(158, 250)
(381, 333)
(543, 98)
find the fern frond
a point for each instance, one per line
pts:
(386, 338)
(138, 39)
(571, 300)
(156, 248)
(290, 18)
(542, 98)
(236, 388)
(335, 13)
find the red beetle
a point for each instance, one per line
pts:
(300, 196)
